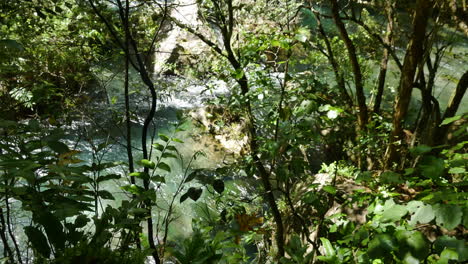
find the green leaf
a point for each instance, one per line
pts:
(158, 178)
(458, 245)
(158, 146)
(108, 177)
(184, 197)
(148, 163)
(465, 216)
(164, 166)
(457, 170)
(169, 155)
(177, 140)
(38, 240)
(450, 120)
(382, 246)
(58, 147)
(191, 176)
(81, 221)
(53, 228)
(421, 149)
(218, 185)
(140, 174)
(327, 246)
(138, 211)
(329, 189)
(163, 137)
(390, 177)
(447, 255)
(193, 193)
(393, 212)
(448, 216)
(106, 195)
(432, 167)
(413, 245)
(132, 188)
(421, 213)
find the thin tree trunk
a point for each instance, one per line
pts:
(384, 62)
(131, 166)
(8, 225)
(6, 246)
(140, 66)
(360, 97)
(226, 24)
(440, 137)
(336, 68)
(413, 57)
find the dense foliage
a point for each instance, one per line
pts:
(348, 120)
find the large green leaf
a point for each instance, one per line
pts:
(58, 147)
(446, 242)
(53, 228)
(163, 137)
(447, 255)
(218, 185)
(432, 167)
(421, 149)
(465, 216)
(38, 240)
(193, 193)
(390, 177)
(164, 166)
(382, 246)
(412, 244)
(448, 215)
(106, 195)
(393, 212)
(421, 213)
(450, 120)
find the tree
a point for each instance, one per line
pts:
(413, 57)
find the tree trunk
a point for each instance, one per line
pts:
(440, 137)
(384, 62)
(413, 57)
(360, 97)
(336, 68)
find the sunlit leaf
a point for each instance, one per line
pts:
(450, 120)
(141, 175)
(177, 140)
(148, 163)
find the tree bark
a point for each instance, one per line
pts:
(413, 57)
(360, 96)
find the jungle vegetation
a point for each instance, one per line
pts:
(350, 116)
